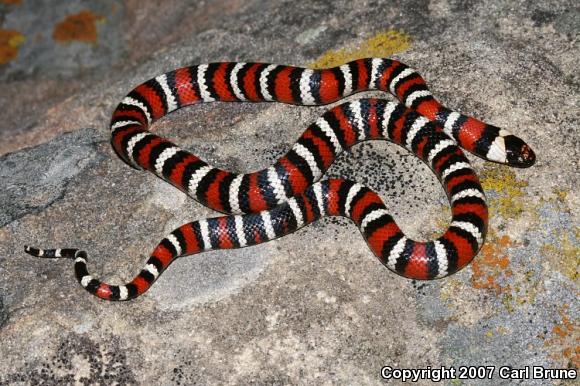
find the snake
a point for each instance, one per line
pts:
(278, 200)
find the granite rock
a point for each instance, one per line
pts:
(314, 307)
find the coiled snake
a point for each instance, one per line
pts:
(276, 201)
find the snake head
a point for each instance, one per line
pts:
(518, 153)
(505, 148)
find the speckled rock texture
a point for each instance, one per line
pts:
(314, 307)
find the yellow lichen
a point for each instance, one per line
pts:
(563, 251)
(564, 255)
(381, 45)
(450, 289)
(9, 42)
(560, 193)
(526, 288)
(503, 181)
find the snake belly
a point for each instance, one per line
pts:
(286, 196)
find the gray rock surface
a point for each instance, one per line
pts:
(314, 307)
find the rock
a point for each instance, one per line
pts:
(315, 306)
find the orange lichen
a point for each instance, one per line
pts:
(78, 27)
(9, 42)
(10, 2)
(491, 265)
(564, 345)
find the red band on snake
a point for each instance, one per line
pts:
(286, 196)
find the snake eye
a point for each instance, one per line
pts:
(518, 153)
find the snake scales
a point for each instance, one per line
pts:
(278, 200)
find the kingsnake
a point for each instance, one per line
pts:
(284, 197)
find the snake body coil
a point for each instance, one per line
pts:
(286, 196)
